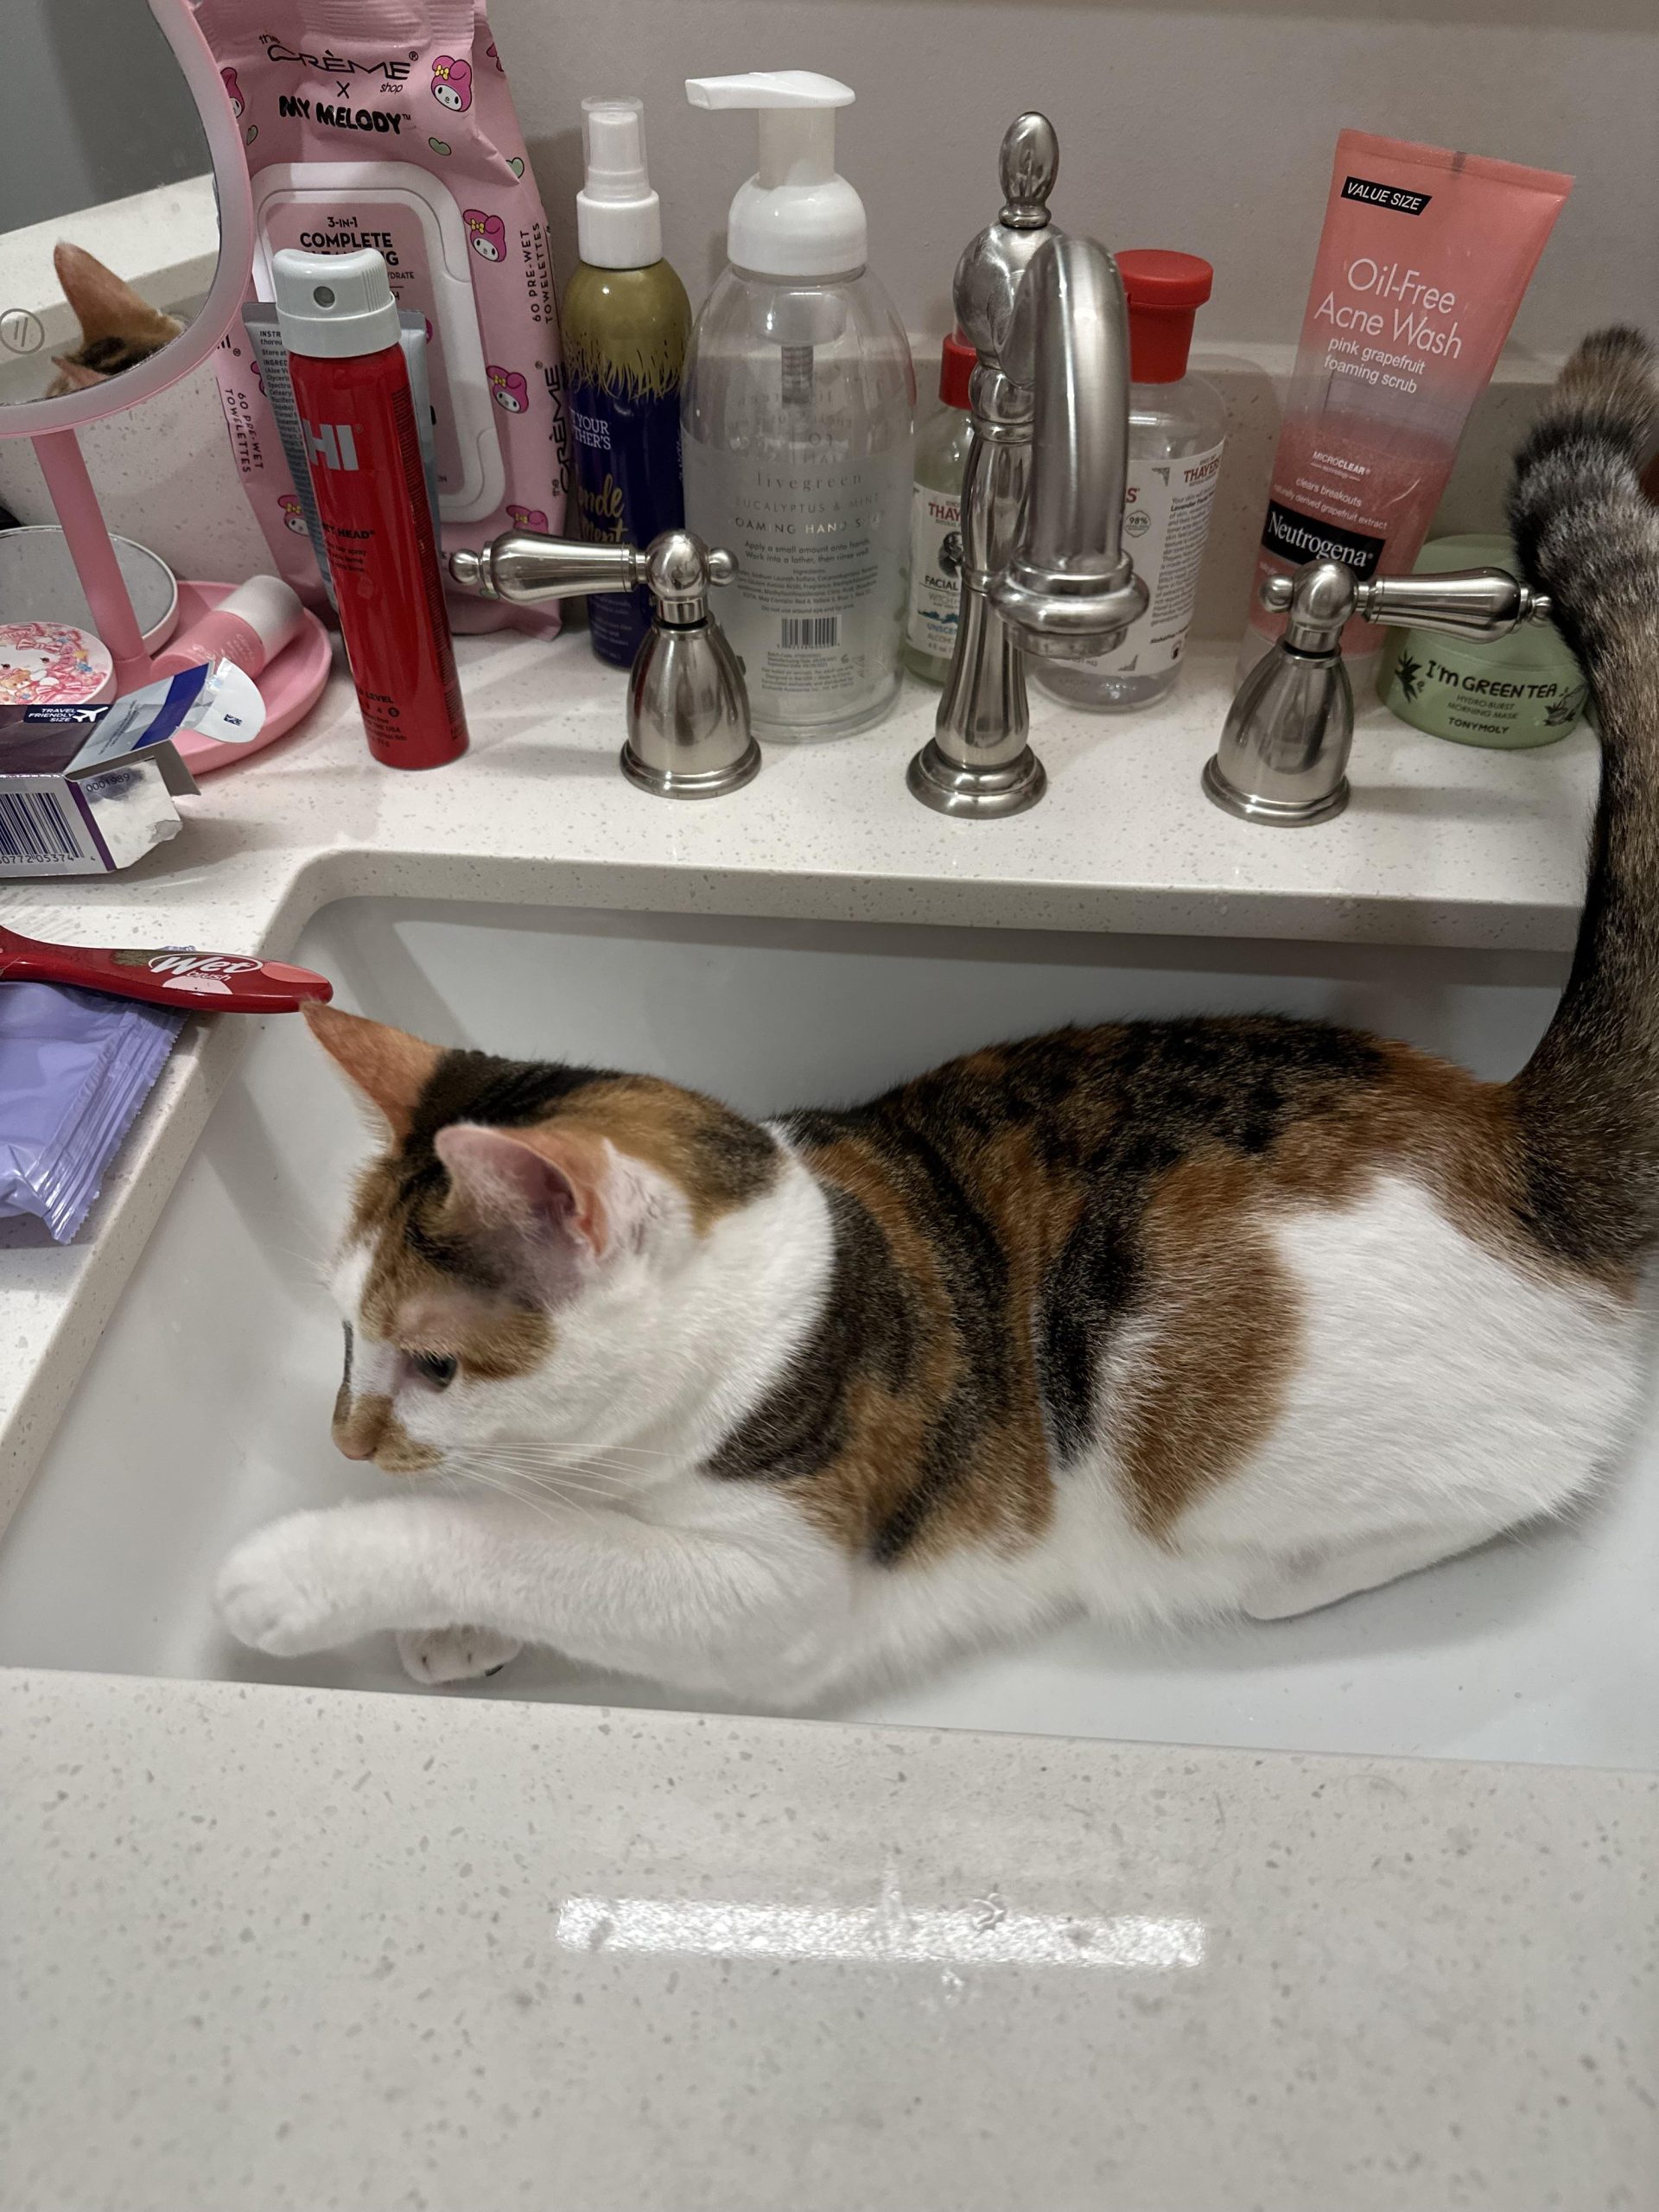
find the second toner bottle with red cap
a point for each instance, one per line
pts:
(1177, 423)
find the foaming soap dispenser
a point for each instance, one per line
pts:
(797, 416)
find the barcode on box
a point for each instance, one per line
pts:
(811, 630)
(34, 827)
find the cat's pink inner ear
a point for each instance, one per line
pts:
(537, 1182)
(388, 1066)
(75, 376)
(106, 305)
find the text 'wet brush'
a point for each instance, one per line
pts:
(215, 982)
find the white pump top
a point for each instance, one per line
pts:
(618, 217)
(794, 217)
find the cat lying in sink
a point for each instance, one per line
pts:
(1154, 1321)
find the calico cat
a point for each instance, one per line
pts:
(1160, 1319)
(117, 329)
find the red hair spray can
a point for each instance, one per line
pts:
(338, 323)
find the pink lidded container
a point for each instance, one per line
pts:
(52, 664)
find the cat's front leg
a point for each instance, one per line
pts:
(610, 1590)
(315, 1580)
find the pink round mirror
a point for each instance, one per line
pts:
(157, 345)
(111, 347)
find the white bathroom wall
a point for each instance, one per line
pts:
(95, 108)
(1208, 127)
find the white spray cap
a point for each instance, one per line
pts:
(332, 305)
(618, 217)
(796, 217)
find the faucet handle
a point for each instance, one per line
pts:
(688, 708)
(1462, 602)
(526, 565)
(1283, 754)
(1318, 600)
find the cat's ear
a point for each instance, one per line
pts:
(548, 1186)
(73, 376)
(389, 1068)
(105, 306)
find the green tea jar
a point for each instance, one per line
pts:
(1523, 690)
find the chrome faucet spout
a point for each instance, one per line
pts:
(1069, 588)
(1043, 571)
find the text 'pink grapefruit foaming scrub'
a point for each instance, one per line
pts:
(1422, 263)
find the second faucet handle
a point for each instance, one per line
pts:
(1319, 599)
(1283, 754)
(1461, 603)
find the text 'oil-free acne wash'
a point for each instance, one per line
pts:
(797, 417)
(1423, 260)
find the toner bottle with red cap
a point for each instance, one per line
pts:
(1177, 425)
(935, 521)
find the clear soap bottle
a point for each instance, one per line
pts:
(935, 521)
(797, 420)
(1177, 427)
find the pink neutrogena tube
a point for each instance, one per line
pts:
(1422, 263)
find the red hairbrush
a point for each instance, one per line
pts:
(217, 982)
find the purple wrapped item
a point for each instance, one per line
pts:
(75, 1066)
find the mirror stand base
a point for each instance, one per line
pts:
(64, 466)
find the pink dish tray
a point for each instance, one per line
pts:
(290, 685)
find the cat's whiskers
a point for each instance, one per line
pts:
(625, 1458)
(468, 1473)
(561, 1483)
(580, 1463)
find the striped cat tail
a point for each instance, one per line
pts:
(1587, 1101)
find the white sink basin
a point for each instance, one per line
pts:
(205, 1409)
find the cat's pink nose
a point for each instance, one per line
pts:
(359, 1426)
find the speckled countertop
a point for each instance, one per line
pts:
(267, 1946)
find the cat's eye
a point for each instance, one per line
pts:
(437, 1368)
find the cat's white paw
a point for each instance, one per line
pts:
(276, 1591)
(453, 1655)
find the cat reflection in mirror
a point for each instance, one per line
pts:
(1153, 1321)
(117, 329)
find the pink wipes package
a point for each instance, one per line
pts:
(389, 123)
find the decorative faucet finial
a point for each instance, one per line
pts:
(1030, 162)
